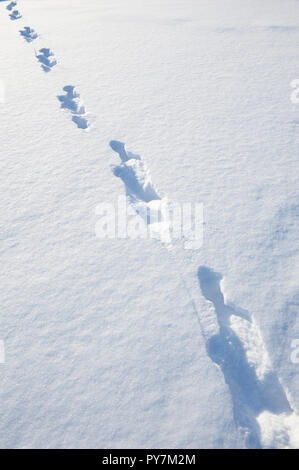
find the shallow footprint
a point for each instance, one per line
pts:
(11, 6)
(15, 15)
(46, 58)
(81, 122)
(71, 101)
(28, 34)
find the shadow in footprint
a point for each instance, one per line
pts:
(134, 175)
(80, 121)
(250, 395)
(71, 101)
(28, 34)
(15, 15)
(119, 147)
(46, 58)
(11, 5)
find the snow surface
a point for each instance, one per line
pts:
(132, 343)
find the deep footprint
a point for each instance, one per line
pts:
(134, 175)
(151, 209)
(252, 393)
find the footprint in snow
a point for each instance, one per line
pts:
(46, 58)
(141, 193)
(11, 6)
(15, 15)
(238, 349)
(71, 101)
(28, 34)
(133, 172)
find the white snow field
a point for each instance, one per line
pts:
(141, 343)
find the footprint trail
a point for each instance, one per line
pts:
(71, 100)
(262, 412)
(261, 407)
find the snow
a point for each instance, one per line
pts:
(125, 343)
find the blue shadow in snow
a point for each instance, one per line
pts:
(133, 175)
(28, 34)
(11, 5)
(250, 395)
(46, 58)
(71, 101)
(15, 15)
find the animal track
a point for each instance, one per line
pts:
(80, 121)
(15, 15)
(28, 34)
(141, 193)
(134, 174)
(11, 6)
(260, 404)
(71, 101)
(46, 58)
(238, 349)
